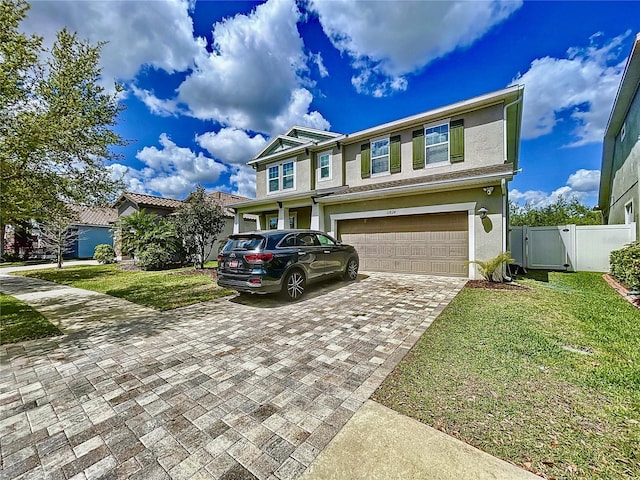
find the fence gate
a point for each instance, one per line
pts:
(568, 247)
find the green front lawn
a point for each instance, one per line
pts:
(18, 322)
(547, 378)
(161, 290)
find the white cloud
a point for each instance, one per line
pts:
(584, 180)
(583, 86)
(582, 184)
(254, 77)
(231, 145)
(159, 34)
(171, 170)
(387, 41)
(243, 181)
(164, 108)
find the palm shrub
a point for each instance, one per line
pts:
(491, 269)
(104, 253)
(625, 265)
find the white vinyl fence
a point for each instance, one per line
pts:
(568, 247)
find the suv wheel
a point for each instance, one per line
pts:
(293, 286)
(351, 272)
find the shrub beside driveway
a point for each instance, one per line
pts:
(160, 290)
(546, 377)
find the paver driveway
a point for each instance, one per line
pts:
(232, 389)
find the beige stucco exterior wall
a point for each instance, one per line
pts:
(483, 145)
(302, 176)
(625, 188)
(487, 234)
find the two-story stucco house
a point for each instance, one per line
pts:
(423, 194)
(619, 190)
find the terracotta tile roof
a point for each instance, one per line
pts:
(506, 169)
(94, 215)
(227, 199)
(223, 199)
(151, 201)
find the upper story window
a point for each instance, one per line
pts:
(437, 144)
(380, 156)
(324, 166)
(281, 177)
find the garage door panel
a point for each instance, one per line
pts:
(428, 244)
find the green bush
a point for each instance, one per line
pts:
(625, 265)
(154, 257)
(491, 269)
(104, 253)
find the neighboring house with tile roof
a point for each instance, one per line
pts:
(130, 202)
(423, 194)
(95, 227)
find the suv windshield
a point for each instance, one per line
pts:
(243, 243)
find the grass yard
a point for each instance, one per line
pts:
(161, 290)
(19, 322)
(547, 377)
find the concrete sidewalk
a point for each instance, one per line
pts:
(40, 266)
(68, 308)
(381, 444)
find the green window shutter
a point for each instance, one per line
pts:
(394, 159)
(456, 146)
(418, 149)
(365, 160)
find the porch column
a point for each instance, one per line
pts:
(236, 223)
(317, 217)
(283, 218)
(258, 217)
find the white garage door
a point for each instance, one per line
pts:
(435, 244)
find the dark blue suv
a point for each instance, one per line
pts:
(283, 261)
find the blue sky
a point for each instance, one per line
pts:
(208, 83)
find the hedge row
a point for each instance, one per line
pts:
(625, 265)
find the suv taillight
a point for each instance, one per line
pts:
(258, 257)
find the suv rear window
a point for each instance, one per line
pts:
(252, 242)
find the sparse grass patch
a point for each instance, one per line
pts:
(161, 290)
(19, 322)
(547, 378)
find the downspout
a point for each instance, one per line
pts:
(505, 225)
(504, 136)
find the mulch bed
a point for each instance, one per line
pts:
(622, 290)
(211, 272)
(494, 285)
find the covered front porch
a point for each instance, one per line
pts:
(284, 212)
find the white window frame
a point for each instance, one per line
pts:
(371, 157)
(446, 122)
(267, 223)
(320, 167)
(292, 215)
(280, 166)
(628, 212)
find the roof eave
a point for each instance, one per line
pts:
(450, 184)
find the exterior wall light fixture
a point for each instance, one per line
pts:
(483, 212)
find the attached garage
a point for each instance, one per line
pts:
(435, 244)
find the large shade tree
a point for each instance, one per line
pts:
(56, 122)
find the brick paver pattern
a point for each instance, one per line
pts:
(239, 388)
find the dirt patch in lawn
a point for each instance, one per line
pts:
(209, 272)
(494, 285)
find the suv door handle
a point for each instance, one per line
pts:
(327, 251)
